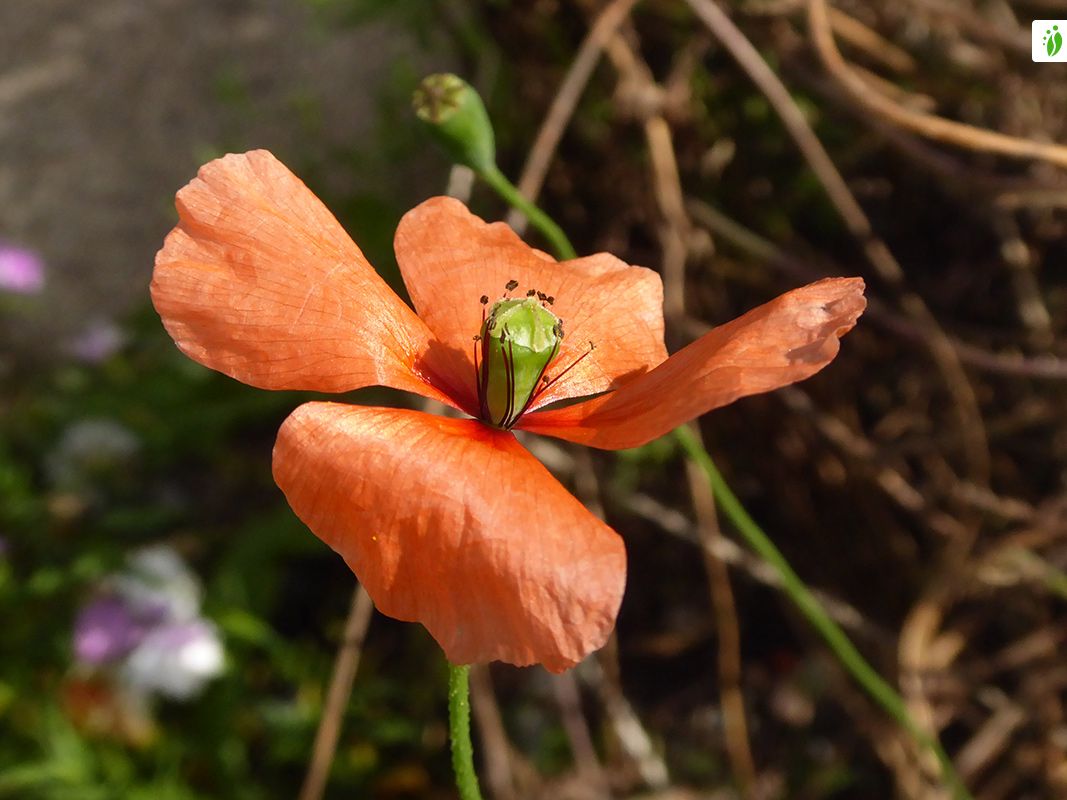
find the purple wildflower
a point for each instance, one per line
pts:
(21, 270)
(147, 630)
(98, 341)
(106, 630)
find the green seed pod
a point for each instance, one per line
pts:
(455, 115)
(519, 339)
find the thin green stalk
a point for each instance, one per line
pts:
(873, 683)
(538, 218)
(459, 727)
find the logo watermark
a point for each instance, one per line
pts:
(1046, 40)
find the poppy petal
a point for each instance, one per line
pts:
(784, 341)
(455, 525)
(450, 258)
(260, 282)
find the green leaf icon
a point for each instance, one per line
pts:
(1054, 44)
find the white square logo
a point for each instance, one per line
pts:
(1047, 40)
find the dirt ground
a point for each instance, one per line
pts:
(107, 107)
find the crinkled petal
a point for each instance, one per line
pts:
(784, 341)
(450, 258)
(259, 281)
(455, 525)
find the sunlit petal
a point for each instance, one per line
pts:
(259, 281)
(784, 341)
(454, 524)
(450, 259)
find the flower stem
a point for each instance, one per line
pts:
(851, 659)
(879, 690)
(539, 219)
(459, 725)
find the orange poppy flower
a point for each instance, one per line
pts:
(451, 522)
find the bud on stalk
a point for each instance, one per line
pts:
(455, 116)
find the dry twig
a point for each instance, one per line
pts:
(565, 101)
(497, 749)
(929, 125)
(733, 232)
(968, 412)
(735, 721)
(344, 673)
(569, 699)
(674, 238)
(872, 43)
(626, 725)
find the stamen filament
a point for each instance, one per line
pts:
(509, 372)
(542, 387)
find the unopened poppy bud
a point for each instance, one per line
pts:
(455, 115)
(519, 339)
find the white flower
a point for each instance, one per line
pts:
(158, 581)
(175, 660)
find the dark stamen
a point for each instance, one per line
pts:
(576, 362)
(484, 299)
(511, 285)
(482, 371)
(509, 365)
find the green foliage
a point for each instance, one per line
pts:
(200, 480)
(197, 477)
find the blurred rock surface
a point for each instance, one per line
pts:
(108, 107)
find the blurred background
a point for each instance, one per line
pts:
(168, 627)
